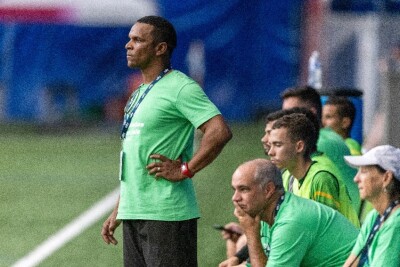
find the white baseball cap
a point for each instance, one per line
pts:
(386, 156)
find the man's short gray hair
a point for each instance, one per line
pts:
(267, 172)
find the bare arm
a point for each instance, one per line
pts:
(351, 261)
(230, 262)
(216, 134)
(109, 226)
(251, 227)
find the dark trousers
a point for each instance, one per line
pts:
(160, 243)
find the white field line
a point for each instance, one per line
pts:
(70, 231)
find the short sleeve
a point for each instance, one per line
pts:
(194, 104)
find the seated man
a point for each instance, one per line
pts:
(301, 232)
(338, 113)
(329, 142)
(292, 141)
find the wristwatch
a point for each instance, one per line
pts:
(185, 170)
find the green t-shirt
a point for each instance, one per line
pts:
(385, 247)
(308, 234)
(163, 124)
(354, 146)
(333, 145)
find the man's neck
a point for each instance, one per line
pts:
(268, 214)
(344, 134)
(150, 73)
(300, 168)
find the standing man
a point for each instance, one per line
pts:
(301, 232)
(157, 203)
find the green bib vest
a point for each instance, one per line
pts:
(344, 205)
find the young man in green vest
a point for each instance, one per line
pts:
(329, 142)
(292, 141)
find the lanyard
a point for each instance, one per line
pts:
(278, 206)
(131, 106)
(378, 222)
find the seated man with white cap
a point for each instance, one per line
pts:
(378, 180)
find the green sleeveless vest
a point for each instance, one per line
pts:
(323, 164)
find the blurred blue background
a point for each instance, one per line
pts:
(251, 52)
(66, 59)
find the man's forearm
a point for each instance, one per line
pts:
(216, 135)
(258, 258)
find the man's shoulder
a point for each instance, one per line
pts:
(331, 135)
(329, 141)
(319, 167)
(181, 77)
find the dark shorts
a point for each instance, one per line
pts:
(160, 243)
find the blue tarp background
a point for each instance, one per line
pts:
(252, 53)
(90, 59)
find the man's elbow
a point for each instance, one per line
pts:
(227, 134)
(218, 130)
(222, 135)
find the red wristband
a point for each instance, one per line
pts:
(185, 170)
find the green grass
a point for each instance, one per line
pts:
(49, 179)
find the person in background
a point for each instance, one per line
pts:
(316, 156)
(338, 113)
(292, 141)
(378, 179)
(301, 232)
(157, 203)
(329, 142)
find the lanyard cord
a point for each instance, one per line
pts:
(131, 106)
(363, 254)
(278, 206)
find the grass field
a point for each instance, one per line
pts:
(48, 179)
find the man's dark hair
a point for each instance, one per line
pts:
(307, 94)
(273, 116)
(299, 128)
(311, 116)
(164, 31)
(345, 107)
